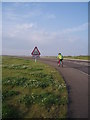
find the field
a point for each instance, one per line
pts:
(32, 90)
(70, 57)
(78, 57)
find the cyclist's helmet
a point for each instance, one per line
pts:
(59, 53)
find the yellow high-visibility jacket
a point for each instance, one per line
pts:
(60, 57)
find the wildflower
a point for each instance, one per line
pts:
(8, 81)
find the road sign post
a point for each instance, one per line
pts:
(35, 60)
(35, 53)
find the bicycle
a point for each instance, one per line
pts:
(60, 61)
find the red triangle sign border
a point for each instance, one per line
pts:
(33, 52)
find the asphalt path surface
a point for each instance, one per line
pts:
(75, 74)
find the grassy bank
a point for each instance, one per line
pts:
(32, 90)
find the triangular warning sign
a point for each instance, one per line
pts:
(35, 51)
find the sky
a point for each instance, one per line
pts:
(52, 27)
(45, 0)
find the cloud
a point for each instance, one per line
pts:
(51, 16)
(33, 33)
(27, 11)
(31, 30)
(76, 29)
(25, 36)
(25, 26)
(16, 30)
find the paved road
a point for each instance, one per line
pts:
(75, 74)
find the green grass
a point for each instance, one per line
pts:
(71, 57)
(32, 90)
(78, 57)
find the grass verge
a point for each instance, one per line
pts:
(32, 90)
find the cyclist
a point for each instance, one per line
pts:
(60, 59)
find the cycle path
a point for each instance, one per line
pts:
(77, 85)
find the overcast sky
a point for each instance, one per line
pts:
(52, 27)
